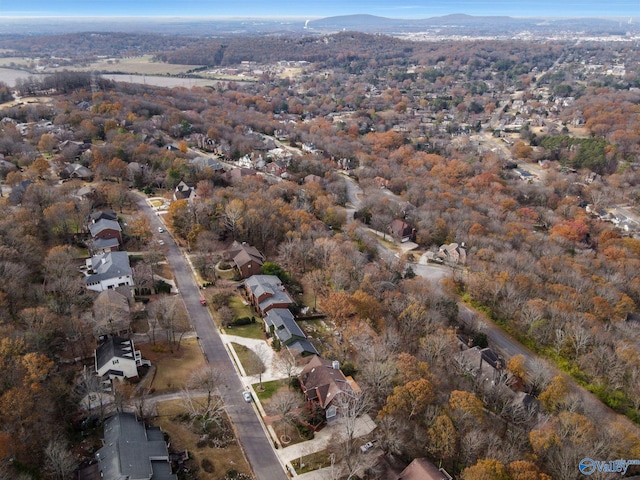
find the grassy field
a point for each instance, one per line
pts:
(247, 358)
(312, 462)
(143, 65)
(269, 390)
(183, 438)
(240, 310)
(252, 330)
(172, 369)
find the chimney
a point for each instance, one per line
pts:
(335, 365)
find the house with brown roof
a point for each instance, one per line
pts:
(402, 231)
(238, 174)
(453, 253)
(322, 383)
(247, 259)
(423, 469)
(111, 314)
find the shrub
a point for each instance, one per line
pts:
(241, 321)
(162, 287)
(207, 465)
(480, 340)
(349, 369)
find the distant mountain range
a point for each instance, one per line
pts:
(468, 24)
(448, 25)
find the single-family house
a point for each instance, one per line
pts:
(322, 383)
(85, 193)
(247, 259)
(281, 323)
(453, 253)
(103, 245)
(266, 292)
(184, 192)
(105, 229)
(75, 170)
(238, 174)
(423, 469)
(108, 270)
(313, 178)
(18, 191)
(133, 451)
(524, 175)
(402, 231)
(276, 168)
(6, 166)
(111, 314)
(117, 358)
(103, 214)
(202, 163)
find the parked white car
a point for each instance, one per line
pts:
(367, 446)
(247, 396)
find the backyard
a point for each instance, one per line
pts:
(286, 411)
(206, 461)
(172, 368)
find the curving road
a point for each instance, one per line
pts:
(249, 430)
(503, 342)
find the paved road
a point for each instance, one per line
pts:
(254, 440)
(501, 340)
(508, 346)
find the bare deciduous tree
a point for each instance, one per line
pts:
(206, 409)
(60, 461)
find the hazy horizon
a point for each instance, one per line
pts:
(296, 10)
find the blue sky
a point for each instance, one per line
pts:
(319, 8)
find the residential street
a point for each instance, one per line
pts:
(253, 438)
(498, 338)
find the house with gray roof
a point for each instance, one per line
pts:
(201, 163)
(266, 292)
(281, 323)
(106, 229)
(184, 192)
(103, 245)
(6, 166)
(117, 358)
(106, 214)
(76, 170)
(108, 270)
(133, 451)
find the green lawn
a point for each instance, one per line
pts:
(247, 358)
(311, 462)
(270, 388)
(252, 330)
(238, 308)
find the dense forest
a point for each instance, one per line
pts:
(406, 116)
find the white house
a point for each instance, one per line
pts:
(108, 270)
(118, 358)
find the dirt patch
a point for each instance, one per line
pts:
(172, 368)
(182, 437)
(164, 271)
